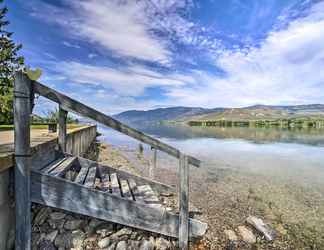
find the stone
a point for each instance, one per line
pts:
(247, 235)
(265, 230)
(162, 244)
(146, 245)
(121, 245)
(77, 238)
(104, 232)
(56, 224)
(230, 235)
(133, 244)
(73, 224)
(51, 236)
(41, 216)
(57, 216)
(46, 245)
(122, 232)
(63, 241)
(105, 242)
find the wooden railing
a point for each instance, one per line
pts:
(24, 91)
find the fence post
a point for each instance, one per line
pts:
(22, 111)
(153, 163)
(184, 202)
(62, 129)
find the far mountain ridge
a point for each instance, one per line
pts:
(196, 113)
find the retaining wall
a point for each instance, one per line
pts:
(78, 142)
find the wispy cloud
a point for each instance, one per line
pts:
(70, 45)
(287, 68)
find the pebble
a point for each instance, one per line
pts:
(231, 235)
(122, 245)
(162, 244)
(247, 235)
(105, 242)
(146, 245)
(57, 216)
(51, 236)
(77, 238)
(73, 224)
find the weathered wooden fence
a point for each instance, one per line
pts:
(24, 92)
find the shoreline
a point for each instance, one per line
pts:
(226, 197)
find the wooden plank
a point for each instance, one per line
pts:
(60, 193)
(62, 168)
(48, 168)
(184, 203)
(22, 111)
(125, 190)
(72, 105)
(81, 175)
(105, 183)
(91, 177)
(146, 194)
(62, 129)
(133, 188)
(114, 184)
(105, 169)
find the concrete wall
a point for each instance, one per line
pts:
(78, 143)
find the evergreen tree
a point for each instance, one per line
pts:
(9, 62)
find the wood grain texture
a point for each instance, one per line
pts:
(62, 129)
(63, 194)
(184, 203)
(81, 175)
(22, 111)
(65, 166)
(105, 169)
(72, 105)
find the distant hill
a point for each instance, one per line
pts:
(162, 114)
(196, 113)
(261, 112)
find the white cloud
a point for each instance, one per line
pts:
(127, 81)
(287, 68)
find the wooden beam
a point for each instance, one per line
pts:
(62, 129)
(184, 203)
(61, 193)
(22, 111)
(72, 105)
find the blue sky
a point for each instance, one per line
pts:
(120, 55)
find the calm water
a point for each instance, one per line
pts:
(294, 154)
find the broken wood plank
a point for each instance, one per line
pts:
(72, 105)
(91, 177)
(81, 175)
(147, 195)
(115, 189)
(62, 168)
(48, 168)
(105, 183)
(125, 190)
(105, 169)
(60, 193)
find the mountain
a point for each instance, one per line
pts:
(196, 113)
(259, 112)
(162, 114)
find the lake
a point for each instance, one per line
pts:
(275, 173)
